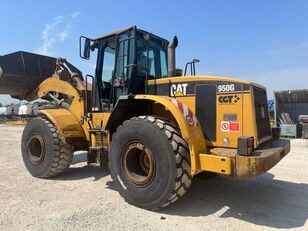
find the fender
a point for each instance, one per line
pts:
(67, 121)
(191, 131)
(53, 84)
(69, 127)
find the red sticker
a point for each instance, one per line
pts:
(234, 126)
(230, 126)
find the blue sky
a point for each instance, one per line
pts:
(265, 41)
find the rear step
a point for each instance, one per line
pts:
(97, 153)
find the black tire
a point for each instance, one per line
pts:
(167, 175)
(43, 152)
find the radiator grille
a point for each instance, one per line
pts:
(262, 115)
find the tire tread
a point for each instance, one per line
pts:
(181, 154)
(63, 153)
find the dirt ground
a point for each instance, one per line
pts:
(84, 198)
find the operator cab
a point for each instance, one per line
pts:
(126, 59)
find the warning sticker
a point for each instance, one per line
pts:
(230, 126)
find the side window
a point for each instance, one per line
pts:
(151, 61)
(108, 67)
(124, 67)
(142, 56)
(122, 59)
(124, 56)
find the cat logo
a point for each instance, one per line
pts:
(228, 99)
(178, 89)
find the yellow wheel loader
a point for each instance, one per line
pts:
(155, 128)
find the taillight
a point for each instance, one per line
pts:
(245, 145)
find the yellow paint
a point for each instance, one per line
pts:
(177, 94)
(249, 127)
(192, 135)
(74, 123)
(67, 121)
(100, 118)
(244, 109)
(201, 78)
(228, 108)
(56, 85)
(218, 164)
(68, 125)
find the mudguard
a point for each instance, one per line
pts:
(186, 120)
(69, 127)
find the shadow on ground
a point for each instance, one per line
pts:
(83, 172)
(261, 201)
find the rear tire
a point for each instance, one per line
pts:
(43, 152)
(149, 162)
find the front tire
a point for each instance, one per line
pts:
(43, 152)
(149, 162)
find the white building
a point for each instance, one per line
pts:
(2, 111)
(25, 110)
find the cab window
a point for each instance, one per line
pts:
(109, 62)
(163, 63)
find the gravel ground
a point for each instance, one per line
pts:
(84, 198)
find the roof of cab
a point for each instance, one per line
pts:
(115, 32)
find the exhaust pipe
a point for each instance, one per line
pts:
(171, 57)
(22, 72)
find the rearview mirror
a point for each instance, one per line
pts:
(85, 47)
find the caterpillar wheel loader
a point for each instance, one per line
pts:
(155, 128)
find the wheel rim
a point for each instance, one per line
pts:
(36, 151)
(138, 164)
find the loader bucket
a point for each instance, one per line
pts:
(22, 72)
